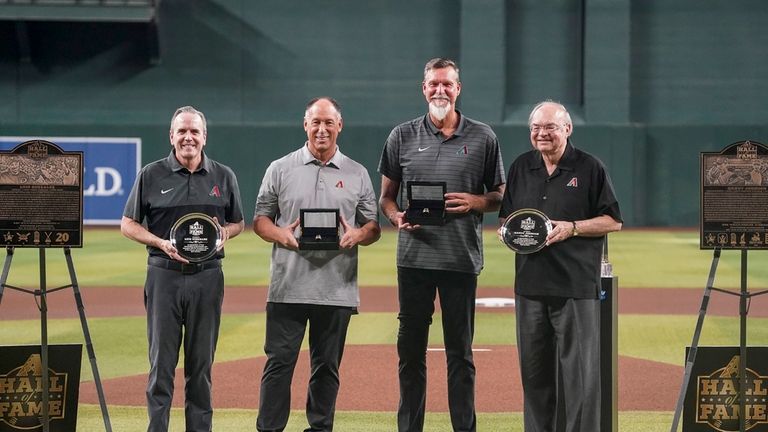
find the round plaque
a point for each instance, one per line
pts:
(196, 237)
(525, 231)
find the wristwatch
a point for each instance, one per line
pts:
(575, 229)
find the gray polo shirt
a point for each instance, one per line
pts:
(468, 161)
(297, 181)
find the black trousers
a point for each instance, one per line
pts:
(558, 342)
(417, 290)
(182, 308)
(286, 325)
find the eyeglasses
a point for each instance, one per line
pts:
(551, 127)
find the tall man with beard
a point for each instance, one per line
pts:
(445, 146)
(183, 299)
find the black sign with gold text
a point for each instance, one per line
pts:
(21, 387)
(41, 191)
(712, 399)
(734, 197)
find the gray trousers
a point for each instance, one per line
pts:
(182, 308)
(558, 343)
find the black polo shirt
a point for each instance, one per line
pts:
(165, 191)
(578, 189)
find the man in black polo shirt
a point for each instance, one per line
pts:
(442, 146)
(178, 293)
(557, 289)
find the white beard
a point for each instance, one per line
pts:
(439, 112)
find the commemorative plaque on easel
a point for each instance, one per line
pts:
(41, 190)
(734, 197)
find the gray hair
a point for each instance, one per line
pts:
(548, 102)
(313, 101)
(441, 63)
(192, 110)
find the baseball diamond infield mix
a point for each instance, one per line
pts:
(369, 372)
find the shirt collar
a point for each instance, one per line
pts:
(307, 157)
(459, 129)
(566, 160)
(176, 166)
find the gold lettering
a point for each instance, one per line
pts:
(758, 390)
(16, 410)
(7, 385)
(728, 387)
(34, 408)
(4, 408)
(705, 410)
(24, 385)
(758, 413)
(54, 408)
(55, 384)
(708, 387)
(721, 413)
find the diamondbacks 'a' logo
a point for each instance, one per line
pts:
(215, 191)
(574, 182)
(462, 151)
(340, 184)
(196, 229)
(21, 395)
(527, 224)
(717, 398)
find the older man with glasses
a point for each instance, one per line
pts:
(557, 289)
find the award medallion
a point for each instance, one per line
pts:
(525, 231)
(196, 236)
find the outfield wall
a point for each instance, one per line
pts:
(650, 83)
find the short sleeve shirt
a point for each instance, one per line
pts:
(165, 191)
(578, 189)
(299, 181)
(468, 161)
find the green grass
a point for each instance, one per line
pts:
(130, 419)
(641, 258)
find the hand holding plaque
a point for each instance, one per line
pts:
(319, 229)
(426, 203)
(525, 231)
(196, 237)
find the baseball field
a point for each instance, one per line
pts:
(661, 276)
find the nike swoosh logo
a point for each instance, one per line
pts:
(422, 149)
(166, 191)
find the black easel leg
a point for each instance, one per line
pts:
(695, 342)
(44, 342)
(6, 270)
(88, 342)
(743, 343)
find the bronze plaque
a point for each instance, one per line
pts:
(734, 197)
(41, 191)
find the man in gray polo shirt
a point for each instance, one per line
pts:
(446, 146)
(318, 287)
(183, 299)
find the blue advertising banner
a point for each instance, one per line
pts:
(111, 165)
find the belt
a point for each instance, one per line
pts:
(187, 269)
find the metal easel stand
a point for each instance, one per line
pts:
(744, 297)
(42, 293)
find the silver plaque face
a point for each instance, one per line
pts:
(525, 231)
(196, 237)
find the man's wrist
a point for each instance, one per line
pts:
(575, 231)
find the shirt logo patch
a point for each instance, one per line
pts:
(422, 149)
(574, 182)
(215, 191)
(462, 151)
(340, 184)
(165, 191)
